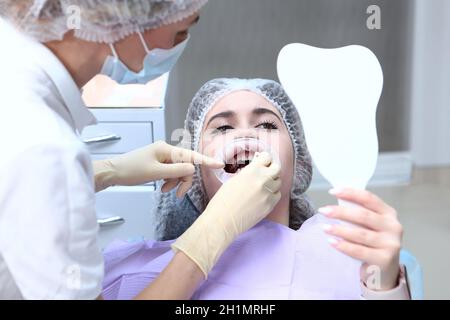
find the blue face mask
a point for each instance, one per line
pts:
(156, 63)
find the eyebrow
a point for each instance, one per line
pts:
(260, 111)
(225, 114)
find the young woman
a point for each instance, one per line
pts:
(294, 253)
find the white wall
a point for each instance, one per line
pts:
(430, 127)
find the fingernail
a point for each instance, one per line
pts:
(326, 227)
(332, 241)
(335, 191)
(325, 210)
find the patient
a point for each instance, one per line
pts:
(294, 253)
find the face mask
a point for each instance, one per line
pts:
(156, 63)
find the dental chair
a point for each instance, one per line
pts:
(414, 274)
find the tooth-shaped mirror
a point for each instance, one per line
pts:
(336, 92)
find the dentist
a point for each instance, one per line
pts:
(48, 227)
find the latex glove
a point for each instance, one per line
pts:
(238, 205)
(153, 162)
(374, 236)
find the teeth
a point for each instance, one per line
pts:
(241, 157)
(336, 92)
(241, 150)
(237, 165)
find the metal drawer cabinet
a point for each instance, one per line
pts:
(124, 213)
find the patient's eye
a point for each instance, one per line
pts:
(268, 125)
(223, 129)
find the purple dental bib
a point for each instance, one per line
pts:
(270, 261)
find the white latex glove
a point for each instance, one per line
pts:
(153, 162)
(238, 205)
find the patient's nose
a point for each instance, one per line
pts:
(245, 133)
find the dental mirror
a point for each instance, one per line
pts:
(336, 92)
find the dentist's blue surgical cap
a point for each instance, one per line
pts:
(105, 21)
(175, 216)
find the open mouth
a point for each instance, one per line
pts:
(240, 154)
(237, 155)
(239, 162)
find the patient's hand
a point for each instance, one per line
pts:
(374, 238)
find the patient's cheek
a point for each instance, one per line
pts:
(282, 145)
(207, 147)
(210, 182)
(208, 150)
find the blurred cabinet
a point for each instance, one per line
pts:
(124, 212)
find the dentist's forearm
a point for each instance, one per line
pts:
(103, 174)
(178, 281)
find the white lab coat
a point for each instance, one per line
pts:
(48, 226)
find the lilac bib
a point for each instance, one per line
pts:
(270, 261)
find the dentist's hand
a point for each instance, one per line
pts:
(153, 162)
(375, 238)
(238, 205)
